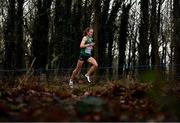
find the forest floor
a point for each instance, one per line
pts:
(103, 101)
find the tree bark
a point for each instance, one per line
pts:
(155, 59)
(103, 40)
(143, 47)
(9, 36)
(111, 30)
(123, 38)
(176, 37)
(40, 35)
(20, 51)
(97, 26)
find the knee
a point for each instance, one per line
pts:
(78, 68)
(74, 71)
(95, 65)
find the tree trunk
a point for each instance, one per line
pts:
(176, 38)
(143, 37)
(58, 36)
(111, 30)
(103, 38)
(159, 16)
(134, 52)
(67, 34)
(9, 36)
(63, 43)
(172, 45)
(77, 25)
(40, 35)
(87, 11)
(97, 25)
(155, 59)
(20, 52)
(163, 61)
(123, 37)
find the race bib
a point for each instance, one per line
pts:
(88, 50)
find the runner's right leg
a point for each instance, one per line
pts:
(77, 69)
(76, 72)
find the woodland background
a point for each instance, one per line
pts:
(131, 36)
(137, 49)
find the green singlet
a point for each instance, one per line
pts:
(87, 50)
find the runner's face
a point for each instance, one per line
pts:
(90, 33)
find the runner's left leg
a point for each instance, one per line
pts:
(94, 66)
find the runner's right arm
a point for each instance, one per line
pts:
(83, 45)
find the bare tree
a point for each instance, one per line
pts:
(40, 34)
(176, 36)
(143, 36)
(97, 26)
(155, 60)
(20, 52)
(111, 31)
(9, 36)
(123, 35)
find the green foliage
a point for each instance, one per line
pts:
(149, 76)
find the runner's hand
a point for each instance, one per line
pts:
(92, 44)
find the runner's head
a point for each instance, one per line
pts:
(88, 32)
